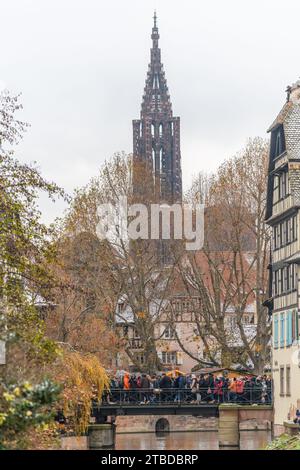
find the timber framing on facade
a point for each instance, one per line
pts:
(283, 203)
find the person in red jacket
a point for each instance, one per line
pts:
(218, 390)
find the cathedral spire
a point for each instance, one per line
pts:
(156, 135)
(155, 19)
(155, 34)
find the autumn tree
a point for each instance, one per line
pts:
(40, 277)
(24, 241)
(229, 275)
(132, 280)
(77, 315)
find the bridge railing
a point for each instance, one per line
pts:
(202, 396)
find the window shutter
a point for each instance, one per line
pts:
(282, 330)
(293, 326)
(274, 238)
(159, 354)
(179, 358)
(290, 327)
(275, 331)
(287, 329)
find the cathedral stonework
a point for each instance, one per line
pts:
(156, 135)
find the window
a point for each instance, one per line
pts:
(120, 307)
(278, 142)
(276, 189)
(169, 357)
(285, 233)
(169, 332)
(288, 380)
(185, 305)
(279, 287)
(275, 323)
(295, 330)
(232, 321)
(281, 380)
(287, 224)
(280, 280)
(177, 306)
(283, 185)
(177, 309)
(153, 160)
(172, 128)
(179, 358)
(294, 228)
(140, 357)
(284, 280)
(135, 333)
(292, 277)
(160, 130)
(274, 283)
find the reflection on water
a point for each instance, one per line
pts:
(168, 441)
(207, 440)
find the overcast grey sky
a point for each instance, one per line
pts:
(81, 67)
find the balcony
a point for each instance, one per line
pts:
(135, 343)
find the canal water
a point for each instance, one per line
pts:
(196, 440)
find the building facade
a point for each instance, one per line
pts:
(283, 204)
(156, 135)
(177, 342)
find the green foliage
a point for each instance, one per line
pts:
(24, 406)
(25, 248)
(285, 442)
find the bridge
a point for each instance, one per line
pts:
(119, 402)
(234, 412)
(121, 409)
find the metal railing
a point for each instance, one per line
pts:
(135, 343)
(187, 396)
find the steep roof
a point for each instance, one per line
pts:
(280, 118)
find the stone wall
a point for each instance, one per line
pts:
(126, 424)
(250, 419)
(74, 443)
(236, 418)
(278, 429)
(291, 428)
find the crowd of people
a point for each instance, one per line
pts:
(189, 388)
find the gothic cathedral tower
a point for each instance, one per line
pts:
(156, 135)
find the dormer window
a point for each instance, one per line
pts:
(281, 186)
(278, 142)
